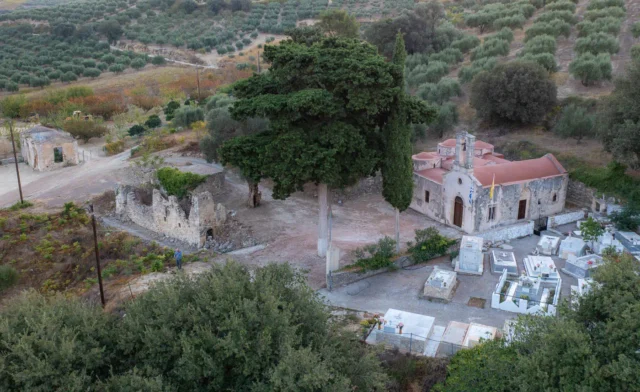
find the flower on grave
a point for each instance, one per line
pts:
(400, 325)
(590, 262)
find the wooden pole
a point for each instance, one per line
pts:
(15, 160)
(95, 243)
(198, 77)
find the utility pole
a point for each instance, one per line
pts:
(198, 77)
(95, 243)
(258, 60)
(15, 159)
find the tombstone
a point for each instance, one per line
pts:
(572, 246)
(501, 260)
(470, 259)
(607, 240)
(548, 245)
(440, 285)
(541, 267)
(581, 267)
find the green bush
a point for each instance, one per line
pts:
(375, 256)
(597, 43)
(602, 4)
(18, 206)
(177, 183)
(137, 130)
(566, 16)
(635, 30)
(553, 28)
(467, 74)
(465, 43)
(607, 25)
(440, 92)
(540, 44)
(589, 68)
(187, 115)
(614, 12)
(8, 277)
(429, 243)
(575, 122)
(561, 6)
(546, 60)
(450, 56)
(153, 121)
(491, 48)
(158, 60)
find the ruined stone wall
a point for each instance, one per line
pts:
(509, 232)
(214, 184)
(166, 216)
(581, 196)
(564, 218)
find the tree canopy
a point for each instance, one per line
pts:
(516, 91)
(338, 23)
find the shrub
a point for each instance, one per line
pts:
(170, 109)
(68, 77)
(566, 16)
(635, 52)
(512, 22)
(602, 4)
(8, 277)
(138, 63)
(575, 122)
(540, 44)
(375, 256)
(114, 147)
(429, 243)
(91, 72)
(153, 121)
(12, 105)
(19, 206)
(597, 43)
(607, 25)
(546, 60)
(554, 28)
(614, 12)
(440, 92)
(177, 183)
(446, 119)
(517, 91)
(450, 56)
(466, 43)
(187, 115)
(561, 6)
(504, 34)
(467, 74)
(158, 60)
(116, 68)
(492, 48)
(137, 130)
(589, 68)
(84, 130)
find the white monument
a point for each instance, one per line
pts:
(471, 259)
(440, 285)
(607, 240)
(404, 330)
(541, 267)
(548, 245)
(572, 246)
(477, 333)
(501, 260)
(581, 267)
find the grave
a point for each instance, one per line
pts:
(501, 260)
(548, 245)
(478, 332)
(471, 259)
(416, 329)
(572, 246)
(630, 241)
(607, 240)
(440, 285)
(581, 267)
(541, 267)
(452, 339)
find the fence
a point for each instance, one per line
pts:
(411, 343)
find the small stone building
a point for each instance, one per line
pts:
(572, 247)
(503, 260)
(47, 149)
(453, 186)
(548, 245)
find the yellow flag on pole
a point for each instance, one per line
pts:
(493, 185)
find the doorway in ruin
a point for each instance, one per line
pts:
(458, 209)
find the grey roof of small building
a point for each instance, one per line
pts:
(43, 134)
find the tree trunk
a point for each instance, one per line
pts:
(397, 231)
(323, 221)
(255, 196)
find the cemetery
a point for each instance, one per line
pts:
(440, 285)
(572, 246)
(581, 267)
(548, 245)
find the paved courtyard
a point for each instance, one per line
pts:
(401, 290)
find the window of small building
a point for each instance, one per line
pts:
(492, 213)
(555, 197)
(57, 154)
(460, 181)
(426, 196)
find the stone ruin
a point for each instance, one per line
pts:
(192, 220)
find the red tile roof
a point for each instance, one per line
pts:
(426, 155)
(510, 172)
(434, 175)
(478, 144)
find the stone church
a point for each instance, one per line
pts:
(466, 184)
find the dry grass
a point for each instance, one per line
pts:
(10, 4)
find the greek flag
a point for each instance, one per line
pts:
(471, 195)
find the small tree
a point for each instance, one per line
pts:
(84, 130)
(590, 68)
(153, 121)
(516, 91)
(138, 63)
(178, 183)
(591, 230)
(338, 23)
(575, 122)
(137, 130)
(158, 60)
(111, 29)
(91, 72)
(597, 43)
(68, 77)
(187, 115)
